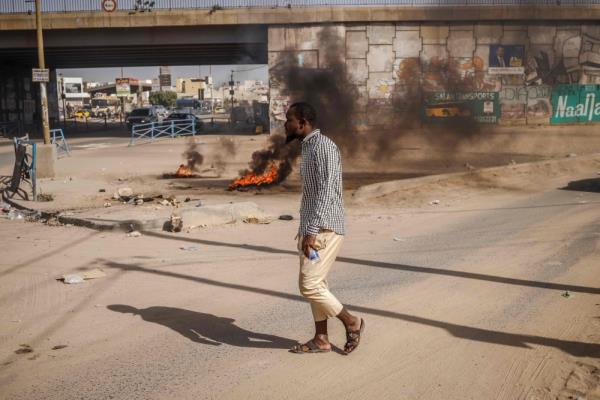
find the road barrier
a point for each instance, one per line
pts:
(21, 6)
(58, 139)
(156, 130)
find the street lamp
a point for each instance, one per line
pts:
(63, 96)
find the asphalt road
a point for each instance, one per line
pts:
(461, 301)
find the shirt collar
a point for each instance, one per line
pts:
(310, 135)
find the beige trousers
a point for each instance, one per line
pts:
(313, 277)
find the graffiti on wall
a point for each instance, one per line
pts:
(513, 105)
(575, 103)
(482, 107)
(577, 61)
(539, 107)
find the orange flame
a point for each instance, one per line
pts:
(184, 172)
(267, 178)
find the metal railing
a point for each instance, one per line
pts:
(156, 130)
(58, 139)
(22, 6)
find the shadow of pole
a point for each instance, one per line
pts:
(578, 349)
(399, 267)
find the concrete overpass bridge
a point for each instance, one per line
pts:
(384, 44)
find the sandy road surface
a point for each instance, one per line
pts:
(466, 303)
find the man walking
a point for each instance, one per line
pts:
(321, 228)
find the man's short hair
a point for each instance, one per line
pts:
(305, 111)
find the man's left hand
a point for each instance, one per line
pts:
(308, 243)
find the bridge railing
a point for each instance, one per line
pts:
(155, 130)
(21, 6)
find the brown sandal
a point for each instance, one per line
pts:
(353, 338)
(308, 347)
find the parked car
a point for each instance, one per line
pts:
(141, 116)
(83, 112)
(184, 115)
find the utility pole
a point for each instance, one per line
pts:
(42, 65)
(231, 83)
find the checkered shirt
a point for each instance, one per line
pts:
(322, 205)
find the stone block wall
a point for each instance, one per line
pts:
(387, 59)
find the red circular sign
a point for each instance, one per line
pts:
(109, 5)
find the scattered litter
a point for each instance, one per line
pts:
(513, 162)
(59, 347)
(134, 234)
(176, 223)
(102, 190)
(5, 207)
(125, 192)
(582, 202)
(199, 204)
(188, 248)
(399, 239)
(286, 217)
(469, 166)
(15, 215)
(25, 348)
(72, 279)
(165, 203)
(34, 357)
(187, 199)
(434, 202)
(255, 220)
(566, 294)
(45, 197)
(107, 204)
(571, 155)
(15, 320)
(139, 202)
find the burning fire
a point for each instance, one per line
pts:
(184, 172)
(251, 179)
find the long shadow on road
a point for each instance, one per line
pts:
(398, 267)
(578, 349)
(205, 328)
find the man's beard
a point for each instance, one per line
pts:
(290, 137)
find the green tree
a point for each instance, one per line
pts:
(167, 99)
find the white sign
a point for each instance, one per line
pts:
(122, 87)
(40, 75)
(109, 5)
(506, 70)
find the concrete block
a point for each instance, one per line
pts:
(407, 44)
(407, 71)
(514, 27)
(461, 44)
(381, 33)
(357, 44)
(307, 38)
(434, 34)
(407, 26)
(356, 27)
(591, 30)
(515, 37)
(542, 34)
(380, 58)
(276, 37)
(488, 33)
(380, 85)
(220, 214)
(46, 161)
(431, 51)
(562, 36)
(357, 70)
(461, 27)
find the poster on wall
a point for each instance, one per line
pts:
(506, 59)
(575, 104)
(483, 107)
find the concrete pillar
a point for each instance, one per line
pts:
(46, 160)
